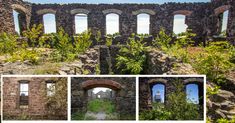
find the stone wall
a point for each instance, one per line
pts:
(6, 16)
(36, 108)
(202, 18)
(146, 84)
(124, 93)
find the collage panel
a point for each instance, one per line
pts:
(34, 98)
(167, 98)
(103, 98)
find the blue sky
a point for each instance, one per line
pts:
(192, 93)
(113, 1)
(158, 88)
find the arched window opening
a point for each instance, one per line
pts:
(112, 23)
(224, 22)
(49, 22)
(16, 22)
(81, 23)
(143, 24)
(158, 93)
(192, 93)
(179, 24)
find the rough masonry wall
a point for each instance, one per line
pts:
(37, 103)
(124, 97)
(6, 15)
(145, 85)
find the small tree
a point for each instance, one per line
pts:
(56, 103)
(82, 42)
(8, 43)
(63, 45)
(35, 36)
(162, 40)
(180, 107)
(132, 58)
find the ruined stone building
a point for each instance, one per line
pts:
(125, 93)
(146, 85)
(108, 94)
(205, 19)
(34, 98)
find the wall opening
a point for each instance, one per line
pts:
(143, 23)
(224, 22)
(49, 23)
(179, 24)
(112, 23)
(192, 92)
(101, 103)
(24, 93)
(158, 93)
(81, 23)
(16, 22)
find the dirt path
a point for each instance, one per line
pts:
(95, 116)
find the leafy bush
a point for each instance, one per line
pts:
(25, 54)
(223, 120)
(57, 102)
(132, 58)
(35, 36)
(214, 62)
(82, 42)
(8, 43)
(78, 116)
(109, 41)
(63, 46)
(185, 39)
(180, 107)
(162, 40)
(158, 113)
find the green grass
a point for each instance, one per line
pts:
(98, 105)
(78, 116)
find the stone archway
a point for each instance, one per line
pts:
(101, 83)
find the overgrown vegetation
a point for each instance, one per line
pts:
(177, 107)
(99, 105)
(56, 101)
(62, 45)
(132, 57)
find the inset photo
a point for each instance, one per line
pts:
(171, 98)
(34, 98)
(103, 98)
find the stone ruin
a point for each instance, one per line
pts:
(205, 19)
(125, 93)
(146, 84)
(35, 105)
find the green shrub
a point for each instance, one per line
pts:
(158, 113)
(35, 36)
(82, 42)
(25, 54)
(63, 46)
(132, 58)
(109, 41)
(180, 107)
(8, 43)
(162, 40)
(214, 62)
(223, 120)
(78, 116)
